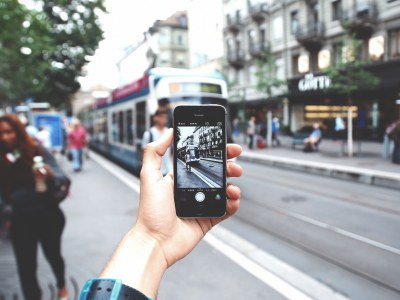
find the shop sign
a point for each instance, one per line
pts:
(314, 83)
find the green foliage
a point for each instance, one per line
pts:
(266, 73)
(350, 75)
(43, 49)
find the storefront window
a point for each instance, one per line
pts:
(320, 112)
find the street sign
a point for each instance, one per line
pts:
(53, 123)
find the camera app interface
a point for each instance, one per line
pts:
(200, 153)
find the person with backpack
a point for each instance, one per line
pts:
(160, 119)
(30, 186)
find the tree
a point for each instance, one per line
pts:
(350, 77)
(266, 73)
(43, 49)
(267, 81)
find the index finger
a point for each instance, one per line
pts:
(233, 150)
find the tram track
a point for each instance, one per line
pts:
(306, 245)
(316, 190)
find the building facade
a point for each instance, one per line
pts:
(305, 37)
(165, 44)
(170, 41)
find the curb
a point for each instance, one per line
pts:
(362, 175)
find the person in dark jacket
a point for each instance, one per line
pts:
(394, 134)
(35, 215)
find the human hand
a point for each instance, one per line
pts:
(157, 218)
(159, 238)
(43, 172)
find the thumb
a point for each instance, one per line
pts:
(154, 152)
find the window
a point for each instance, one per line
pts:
(376, 47)
(121, 127)
(140, 119)
(179, 40)
(183, 21)
(114, 127)
(277, 28)
(238, 18)
(129, 127)
(337, 54)
(294, 21)
(262, 38)
(280, 68)
(295, 66)
(324, 59)
(253, 75)
(394, 44)
(304, 63)
(252, 39)
(336, 10)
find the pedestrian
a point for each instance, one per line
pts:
(275, 130)
(188, 161)
(160, 119)
(339, 127)
(44, 137)
(35, 214)
(235, 124)
(77, 143)
(30, 129)
(387, 141)
(251, 130)
(159, 238)
(394, 135)
(312, 141)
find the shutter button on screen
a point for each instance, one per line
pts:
(199, 197)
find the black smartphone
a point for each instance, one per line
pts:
(200, 161)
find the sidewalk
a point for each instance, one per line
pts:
(367, 166)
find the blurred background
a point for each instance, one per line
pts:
(312, 89)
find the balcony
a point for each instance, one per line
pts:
(236, 59)
(256, 49)
(258, 11)
(361, 19)
(234, 24)
(311, 35)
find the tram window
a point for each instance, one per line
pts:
(140, 119)
(114, 127)
(105, 127)
(129, 127)
(121, 127)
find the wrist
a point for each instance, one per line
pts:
(138, 261)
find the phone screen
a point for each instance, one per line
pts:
(200, 161)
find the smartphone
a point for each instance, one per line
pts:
(200, 161)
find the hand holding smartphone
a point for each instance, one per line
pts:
(200, 161)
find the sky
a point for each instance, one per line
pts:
(123, 26)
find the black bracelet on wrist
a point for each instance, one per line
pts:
(109, 289)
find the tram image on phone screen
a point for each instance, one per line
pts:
(200, 161)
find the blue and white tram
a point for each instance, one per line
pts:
(117, 123)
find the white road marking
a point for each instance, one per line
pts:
(340, 231)
(265, 267)
(126, 178)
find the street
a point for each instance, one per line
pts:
(206, 173)
(296, 236)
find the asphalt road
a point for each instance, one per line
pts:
(207, 173)
(296, 236)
